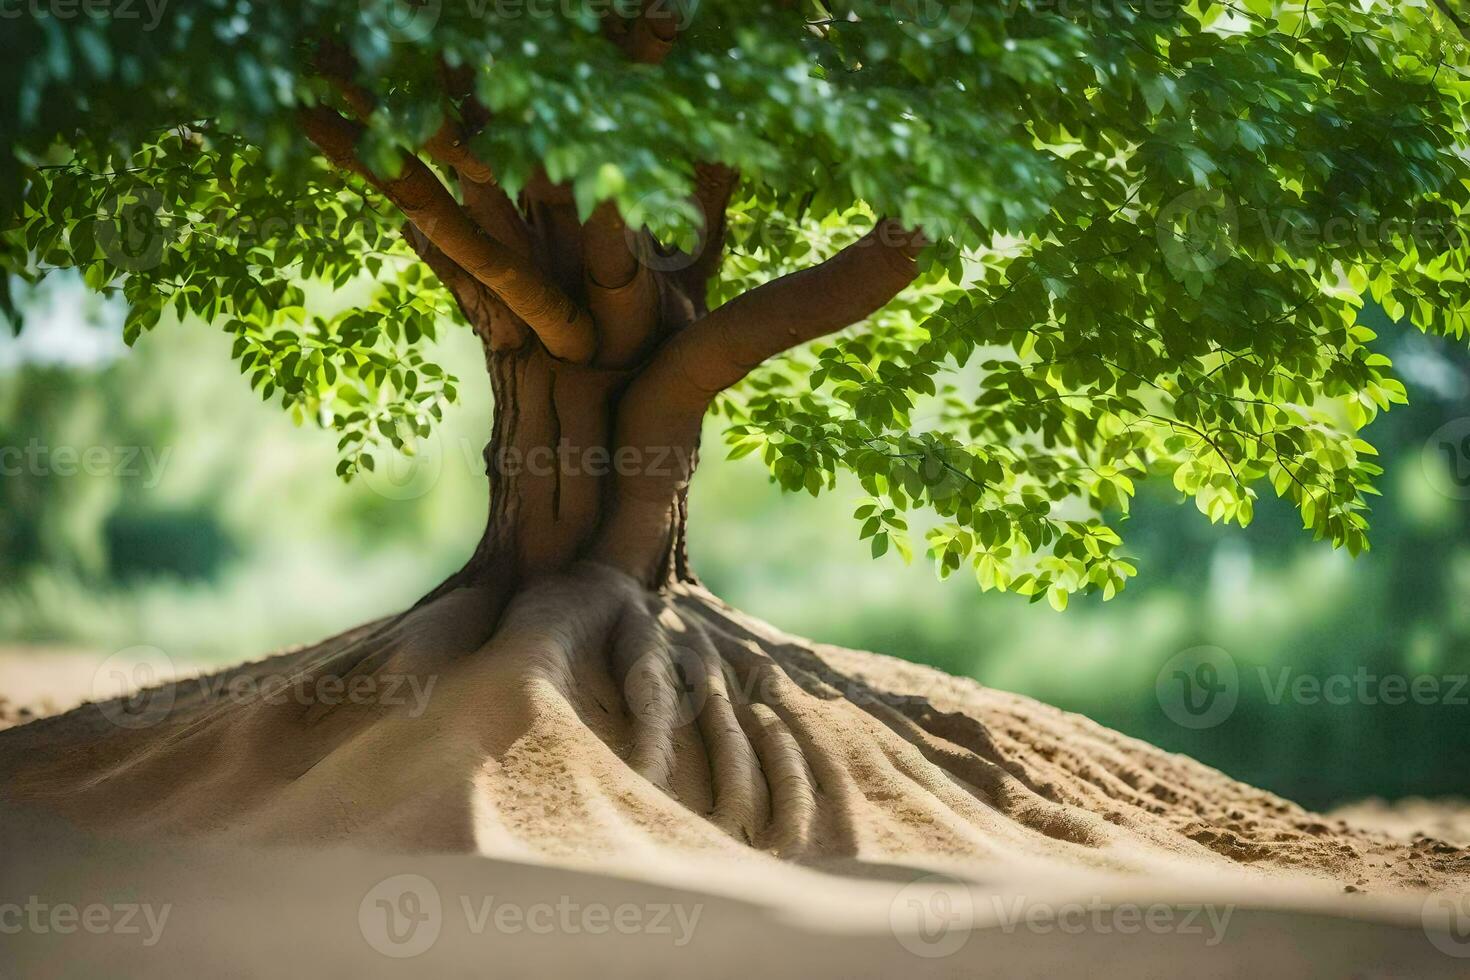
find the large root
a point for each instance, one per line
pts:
(598, 720)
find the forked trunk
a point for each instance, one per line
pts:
(595, 440)
(582, 462)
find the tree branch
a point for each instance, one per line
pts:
(659, 416)
(650, 37)
(490, 207)
(621, 292)
(720, 349)
(484, 199)
(713, 185)
(492, 321)
(564, 328)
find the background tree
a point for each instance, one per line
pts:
(1085, 245)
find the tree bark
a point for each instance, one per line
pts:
(555, 468)
(594, 461)
(602, 362)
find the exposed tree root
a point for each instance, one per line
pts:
(603, 720)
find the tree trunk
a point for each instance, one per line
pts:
(558, 482)
(554, 475)
(586, 460)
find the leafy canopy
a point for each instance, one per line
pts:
(1156, 224)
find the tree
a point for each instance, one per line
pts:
(1080, 244)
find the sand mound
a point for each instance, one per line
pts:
(604, 727)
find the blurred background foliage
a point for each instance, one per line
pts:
(205, 524)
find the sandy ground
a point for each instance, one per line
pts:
(1412, 818)
(39, 681)
(195, 910)
(1158, 867)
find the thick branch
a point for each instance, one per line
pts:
(660, 414)
(490, 207)
(564, 328)
(610, 259)
(494, 211)
(725, 345)
(621, 292)
(447, 147)
(486, 202)
(496, 326)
